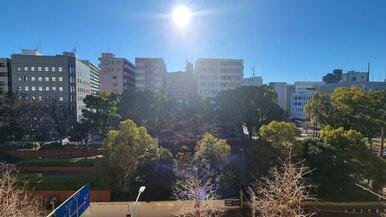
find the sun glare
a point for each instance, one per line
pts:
(181, 16)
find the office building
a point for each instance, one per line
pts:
(217, 75)
(150, 74)
(180, 86)
(5, 78)
(117, 73)
(372, 85)
(304, 91)
(280, 89)
(62, 80)
(337, 76)
(334, 77)
(95, 80)
(252, 81)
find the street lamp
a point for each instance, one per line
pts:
(140, 191)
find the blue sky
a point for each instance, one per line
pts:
(286, 40)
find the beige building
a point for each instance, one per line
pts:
(150, 73)
(180, 85)
(216, 75)
(117, 74)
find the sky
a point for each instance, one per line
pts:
(284, 40)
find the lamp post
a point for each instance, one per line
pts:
(140, 191)
(242, 179)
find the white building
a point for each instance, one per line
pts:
(150, 74)
(280, 89)
(216, 75)
(304, 90)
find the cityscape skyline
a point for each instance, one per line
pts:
(272, 45)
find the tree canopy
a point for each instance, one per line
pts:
(248, 106)
(281, 134)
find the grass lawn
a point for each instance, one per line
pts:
(38, 181)
(65, 162)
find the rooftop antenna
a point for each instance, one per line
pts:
(253, 71)
(368, 71)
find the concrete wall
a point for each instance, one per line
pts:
(144, 209)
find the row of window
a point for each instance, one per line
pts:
(38, 78)
(40, 88)
(40, 98)
(39, 68)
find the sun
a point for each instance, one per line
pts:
(181, 16)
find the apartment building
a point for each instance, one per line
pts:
(252, 81)
(216, 75)
(117, 73)
(150, 74)
(95, 79)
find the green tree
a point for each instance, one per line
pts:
(248, 106)
(155, 171)
(122, 149)
(210, 152)
(340, 159)
(131, 159)
(350, 108)
(282, 135)
(101, 112)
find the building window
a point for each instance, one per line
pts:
(26, 78)
(32, 78)
(61, 99)
(26, 68)
(19, 69)
(40, 78)
(40, 98)
(47, 88)
(32, 68)
(54, 89)
(46, 68)
(26, 88)
(47, 78)
(53, 78)
(39, 68)
(40, 88)
(60, 89)
(19, 78)
(60, 69)
(60, 78)
(53, 68)
(33, 98)
(33, 88)
(18, 88)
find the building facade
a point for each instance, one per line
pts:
(280, 89)
(60, 80)
(95, 79)
(117, 74)
(180, 86)
(304, 91)
(150, 74)
(216, 75)
(337, 76)
(5, 70)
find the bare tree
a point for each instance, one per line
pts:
(16, 201)
(283, 193)
(199, 195)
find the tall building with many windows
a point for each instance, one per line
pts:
(150, 73)
(5, 70)
(216, 75)
(95, 79)
(62, 80)
(304, 90)
(117, 73)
